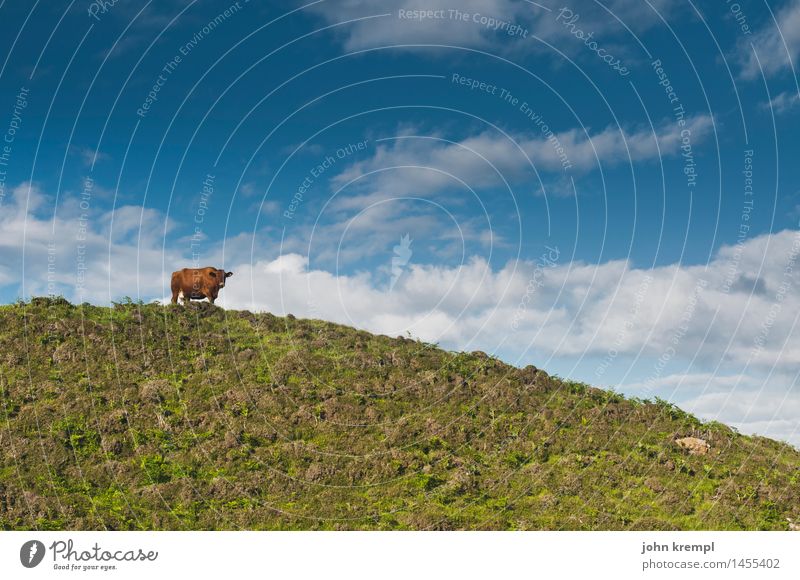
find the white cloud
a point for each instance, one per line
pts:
(392, 29)
(429, 163)
(125, 261)
(775, 46)
(783, 102)
(579, 309)
(473, 32)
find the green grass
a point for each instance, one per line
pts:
(148, 417)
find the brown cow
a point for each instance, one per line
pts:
(198, 283)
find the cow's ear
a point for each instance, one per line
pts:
(212, 274)
(228, 274)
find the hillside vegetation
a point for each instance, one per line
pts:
(152, 417)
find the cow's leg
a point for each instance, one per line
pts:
(174, 296)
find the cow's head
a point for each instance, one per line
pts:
(220, 276)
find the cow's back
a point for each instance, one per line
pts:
(194, 279)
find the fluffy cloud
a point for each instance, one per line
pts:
(430, 163)
(391, 29)
(775, 46)
(782, 102)
(369, 29)
(81, 252)
(714, 311)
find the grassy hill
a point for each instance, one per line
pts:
(151, 417)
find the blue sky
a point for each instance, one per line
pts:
(606, 190)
